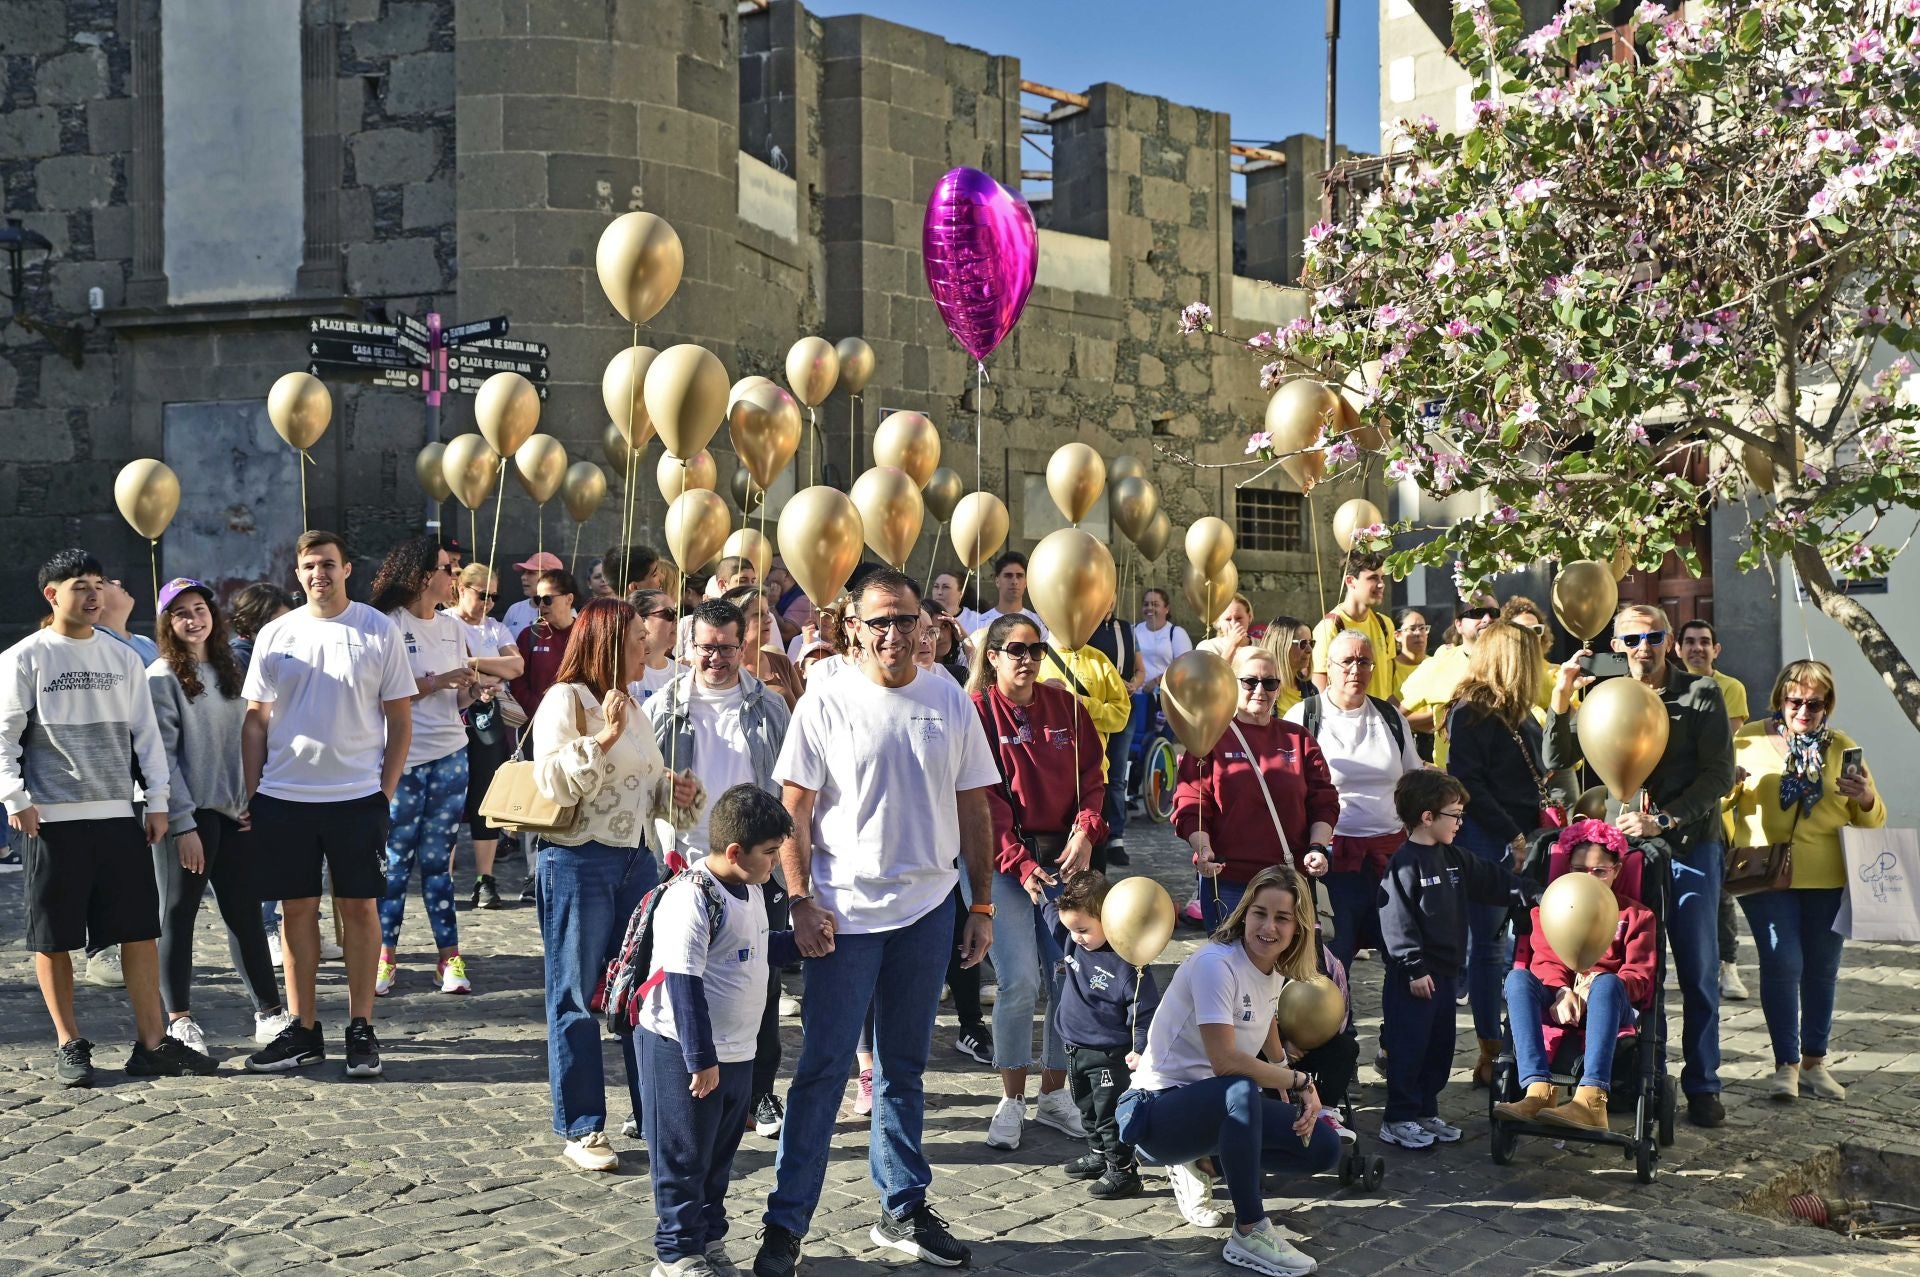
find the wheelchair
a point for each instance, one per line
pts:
(1154, 759)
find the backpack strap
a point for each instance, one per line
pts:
(1391, 716)
(1311, 715)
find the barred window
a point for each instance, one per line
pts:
(1269, 520)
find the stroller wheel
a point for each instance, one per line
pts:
(1348, 1170)
(1373, 1170)
(1645, 1154)
(1502, 1143)
(1667, 1102)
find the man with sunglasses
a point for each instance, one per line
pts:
(885, 770)
(523, 613)
(1682, 806)
(1430, 688)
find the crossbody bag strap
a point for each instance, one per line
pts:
(1053, 654)
(1286, 848)
(1006, 784)
(1526, 755)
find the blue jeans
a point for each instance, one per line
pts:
(1608, 1012)
(1693, 932)
(690, 1146)
(898, 973)
(1799, 966)
(1489, 938)
(1119, 759)
(1229, 1120)
(587, 894)
(424, 819)
(1136, 733)
(1217, 899)
(1026, 960)
(1355, 900)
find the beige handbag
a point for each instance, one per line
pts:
(513, 801)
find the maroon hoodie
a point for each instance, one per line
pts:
(1034, 747)
(1219, 793)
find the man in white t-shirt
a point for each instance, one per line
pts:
(521, 615)
(1010, 579)
(886, 771)
(329, 720)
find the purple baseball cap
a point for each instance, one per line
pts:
(180, 585)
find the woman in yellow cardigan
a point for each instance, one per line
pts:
(1788, 785)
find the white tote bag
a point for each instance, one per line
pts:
(1883, 885)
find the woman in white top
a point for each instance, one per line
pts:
(1158, 640)
(658, 622)
(1196, 1103)
(492, 718)
(593, 750)
(1231, 629)
(424, 816)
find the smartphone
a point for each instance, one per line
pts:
(1604, 665)
(1853, 762)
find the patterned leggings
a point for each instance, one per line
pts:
(426, 816)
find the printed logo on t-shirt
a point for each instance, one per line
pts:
(1059, 736)
(1246, 1008)
(84, 681)
(1100, 981)
(929, 726)
(741, 955)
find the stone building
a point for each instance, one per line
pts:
(212, 174)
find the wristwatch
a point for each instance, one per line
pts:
(1320, 847)
(985, 911)
(1663, 820)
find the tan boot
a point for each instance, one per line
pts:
(1587, 1109)
(1483, 1069)
(1539, 1095)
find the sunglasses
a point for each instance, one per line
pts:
(666, 614)
(1802, 703)
(1304, 645)
(545, 600)
(1652, 638)
(1537, 630)
(1023, 651)
(900, 623)
(1480, 614)
(1261, 684)
(487, 595)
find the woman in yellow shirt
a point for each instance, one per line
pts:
(1788, 785)
(1290, 643)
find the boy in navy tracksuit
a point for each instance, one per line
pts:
(1423, 923)
(1104, 1031)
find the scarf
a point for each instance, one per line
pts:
(1800, 780)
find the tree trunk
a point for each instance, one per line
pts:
(1865, 629)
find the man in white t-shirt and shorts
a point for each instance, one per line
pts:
(329, 719)
(885, 770)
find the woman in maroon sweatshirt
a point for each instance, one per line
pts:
(544, 643)
(1220, 810)
(1046, 823)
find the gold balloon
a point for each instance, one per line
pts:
(148, 493)
(747, 494)
(1355, 398)
(1584, 597)
(1199, 696)
(615, 445)
(745, 384)
(820, 538)
(427, 469)
(1076, 476)
(1622, 726)
(639, 261)
(583, 489)
(469, 465)
(1296, 415)
(1070, 582)
(750, 544)
(942, 492)
(1592, 803)
(300, 406)
(1153, 542)
(686, 396)
(764, 424)
(541, 466)
(1351, 517)
(620, 391)
(1578, 917)
(891, 511)
(696, 528)
(1209, 544)
(1622, 561)
(911, 442)
(1210, 593)
(507, 410)
(1311, 1011)
(978, 528)
(1125, 466)
(856, 364)
(676, 476)
(813, 365)
(1134, 501)
(1138, 918)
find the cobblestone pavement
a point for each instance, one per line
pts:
(447, 1165)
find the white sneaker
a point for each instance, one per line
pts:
(103, 968)
(1406, 1134)
(1786, 1082)
(1003, 1131)
(1821, 1084)
(592, 1152)
(789, 1007)
(1265, 1251)
(1346, 1133)
(1193, 1193)
(273, 947)
(186, 1031)
(1057, 1109)
(689, 1266)
(268, 1027)
(1732, 987)
(1440, 1130)
(330, 950)
(453, 976)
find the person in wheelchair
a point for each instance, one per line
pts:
(1602, 1002)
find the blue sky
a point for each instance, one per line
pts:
(1262, 63)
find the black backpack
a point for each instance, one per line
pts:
(631, 975)
(1312, 713)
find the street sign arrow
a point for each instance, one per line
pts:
(480, 328)
(509, 346)
(418, 349)
(406, 378)
(349, 328)
(331, 350)
(471, 385)
(465, 361)
(411, 327)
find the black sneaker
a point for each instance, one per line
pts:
(73, 1063)
(1706, 1110)
(486, 895)
(630, 1129)
(779, 1253)
(295, 1048)
(768, 1114)
(1117, 853)
(1117, 1181)
(1086, 1166)
(171, 1058)
(922, 1234)
(975, 1040)
(363, 1050)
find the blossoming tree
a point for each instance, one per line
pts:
(1639, 285)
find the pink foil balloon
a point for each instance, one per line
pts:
(982, 252)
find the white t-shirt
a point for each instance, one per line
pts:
(993, 614)
(489, 637)
(327, 679)
(1159, 648)
(1217, 985)
(1365, 763)
(732, 966)
(434, 646)
(652, 680)
(720, 756)
(520, 616)
(887, 765)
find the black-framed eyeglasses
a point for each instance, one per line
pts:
(900, 622)
(666, 614)
(1652, 638)
(1802, 703)
(716, 649)
(1451, 815)
(1023, 651)
(1260, 684)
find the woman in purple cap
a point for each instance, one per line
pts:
(197, 702)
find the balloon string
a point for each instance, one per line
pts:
(853, 434)
(500, 499)
(303, 463)
(539, 524)
(813, 441)
(631, 499)
(573, 561)
(939, 530)
(473, 531)
(1319, 566)
(153, 564)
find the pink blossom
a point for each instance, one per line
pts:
(1402, 468)
(1532, 191)
(1260, 341)
(1637, 432)
(1259, 441)
(1506, 514)
(1812, 473)
(1470, 421)
(1447, 469)
(1319, 231)
(1528, 414)
(1873, 314)
(1332, 297)
(1870, 47)
(1859, 554)
(1389, 316)
(1443, 266)
(1195, 316)
(1270, 375)
(1663, 356)
(1343, 451)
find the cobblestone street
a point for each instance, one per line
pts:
(447, 1164)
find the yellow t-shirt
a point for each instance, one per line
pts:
(1759, 821)
(1431, 687)
(1402, 672)
(1377, 627)
(1734, 693)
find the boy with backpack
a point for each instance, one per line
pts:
(699, 1020)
